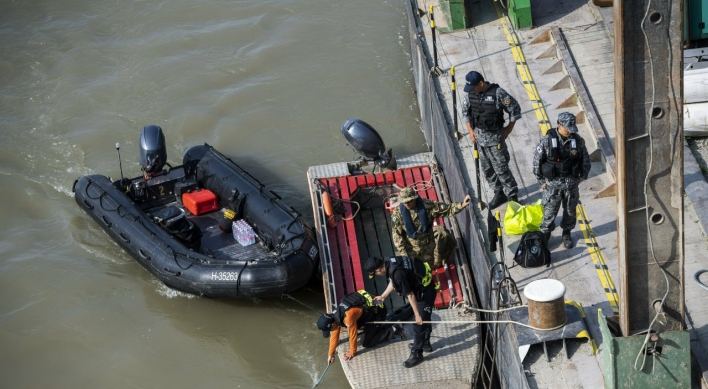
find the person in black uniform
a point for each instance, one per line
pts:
(357, 310)
(483, 108)
(560, 163)
(412, 279)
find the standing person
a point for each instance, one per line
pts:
(560, 163)
(413, 233)
(483, 112)
(410, 278)
(356, 310)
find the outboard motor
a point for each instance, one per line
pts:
(367, 142)
(153, 153)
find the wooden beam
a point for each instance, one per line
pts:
(585, 102)
(649, 141)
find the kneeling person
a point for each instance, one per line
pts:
(354, 311)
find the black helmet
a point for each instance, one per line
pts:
(153, 154)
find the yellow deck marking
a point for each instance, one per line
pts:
(597, 258)
(542, 116)
(525, 74)
(583, 333)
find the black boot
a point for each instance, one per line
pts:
(567, 240)
(498, 199)
(514, 199)
(546, 237)
(415, 358)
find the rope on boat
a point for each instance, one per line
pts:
(469, 322)
(284, 295)
(337, 206)
(138, 220)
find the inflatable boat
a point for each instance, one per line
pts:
(177, 223)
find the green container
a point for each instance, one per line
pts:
(455, 15)
(671, 368)
(520, 14)
(695, 17)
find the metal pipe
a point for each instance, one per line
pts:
(454, 102)
(432, 28)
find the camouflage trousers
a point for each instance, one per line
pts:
(560, 191)
(437, 253)
(494, 163)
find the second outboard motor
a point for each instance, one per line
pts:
(367, 142)
(153, 153)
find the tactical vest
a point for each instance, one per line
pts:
(360, 299)
(483, 110)
(563, 159)
(425, 224)
(418, 272)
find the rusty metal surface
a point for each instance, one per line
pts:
(547, 315)
(649, 163)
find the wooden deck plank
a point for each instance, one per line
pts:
(370, 180)
(400, 180)
(389, 178)
(408, 177)
(383, 232)
(334, 253)
(370, 242)
(369, 283)
(445, 295)
(361, 181)
(420, 184)
(425, 172)
(342, 244)
(382, 218)
(452, 269)
(379, 178)
(432, 193)
(442, 298)
(348, 186)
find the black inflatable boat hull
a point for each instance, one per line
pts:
(126, 222)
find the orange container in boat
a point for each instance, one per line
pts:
(200, 202)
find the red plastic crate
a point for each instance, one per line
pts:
(200, 202)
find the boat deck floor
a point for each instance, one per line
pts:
(590, 269)
(222, 245)
(368, 232)
(451, 364)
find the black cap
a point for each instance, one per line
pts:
(473, 78)
(372, 264)
(567, 120)
(324, 324)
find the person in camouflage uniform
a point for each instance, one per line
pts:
(483, 110)
(560, 163)
(413, 233)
